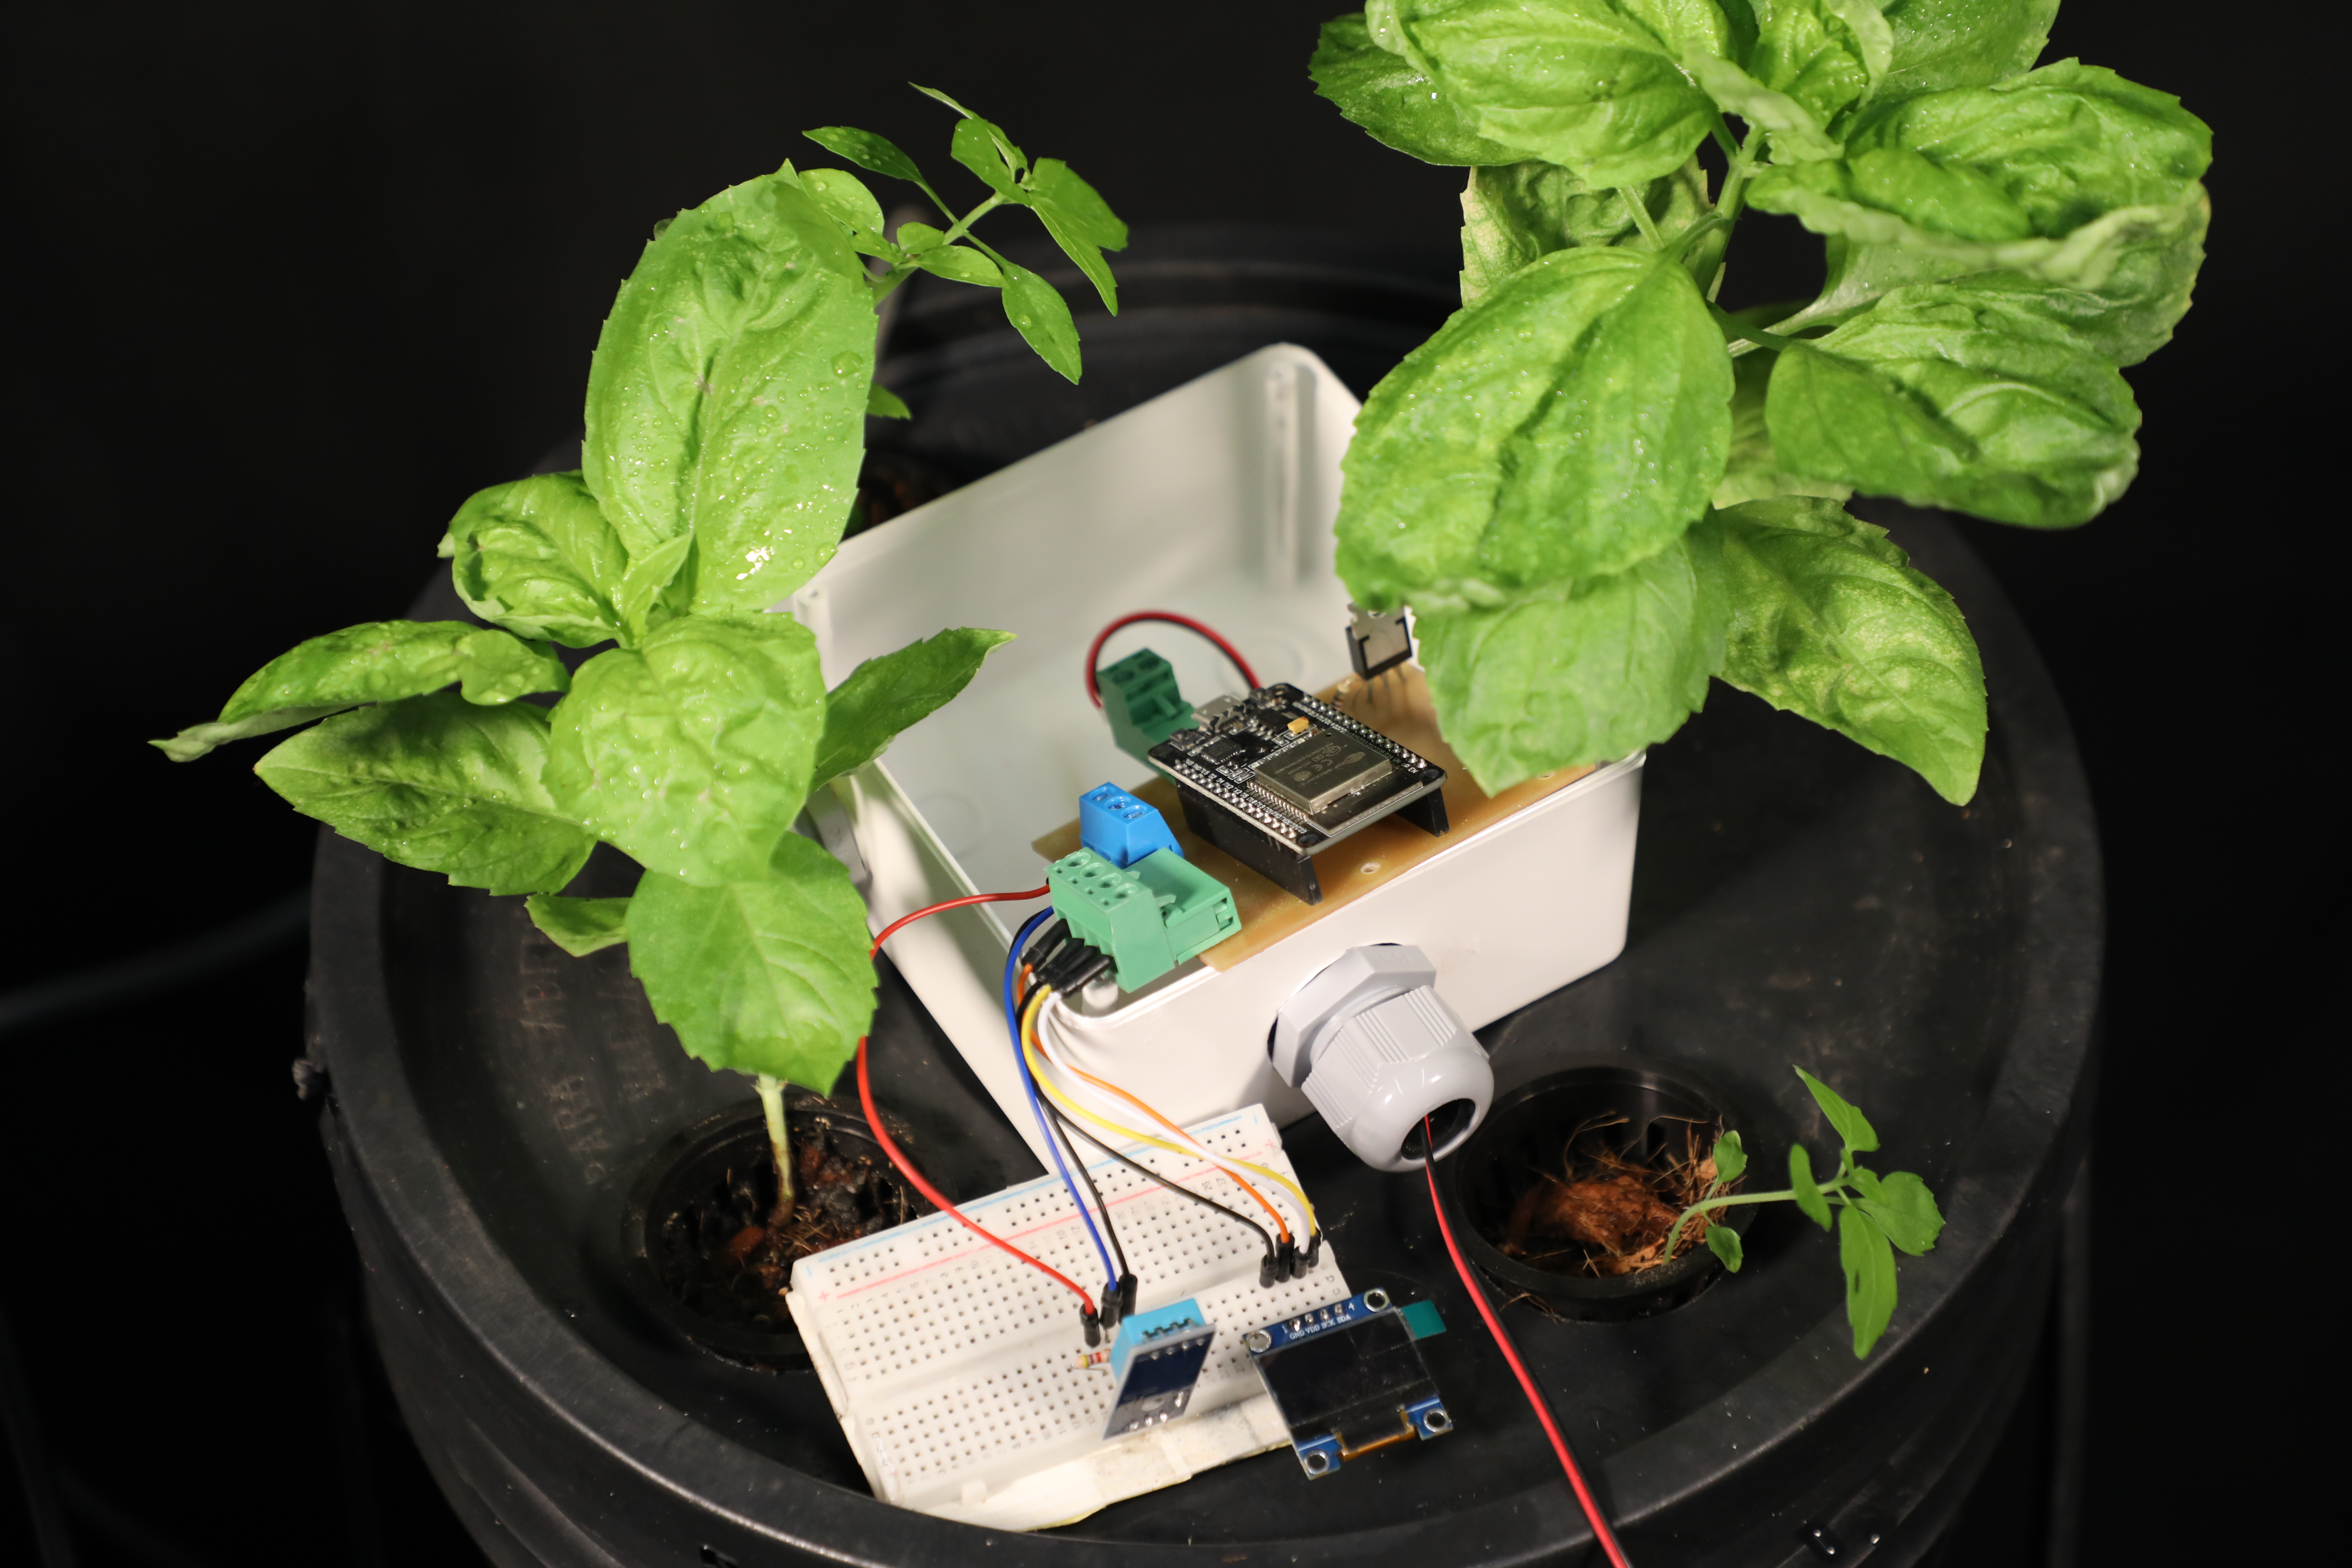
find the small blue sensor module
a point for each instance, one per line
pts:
(1157, 1360)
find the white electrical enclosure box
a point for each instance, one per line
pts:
(1215, 500)
(960, 1374)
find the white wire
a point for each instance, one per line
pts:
(1069, 1080)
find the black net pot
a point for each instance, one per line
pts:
(719, 1174)
(1635, 1110)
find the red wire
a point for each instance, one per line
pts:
(1601, 1529)
(882, 1134)
(1093, 649)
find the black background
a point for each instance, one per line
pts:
(285, 282)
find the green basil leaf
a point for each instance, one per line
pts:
(1473, 472)
(2054, 175)
(1055, 187)
(1961, 395)
(1796, 130)
(728, 393)
(917, 238)
(1963, 43)
(845, 199)
(1514, 215)
(200, 740)
(1081, 223)
(1595, 85)
(1869, 1264)
(495, 666)
(1395, 100)
(1015, 161)
(1810, 1201)
(655, 588)
(1724, 1241)
(963, 263)
(537, 557)
(881, 403)
(2129, 275)
(1865, 1183)
(867, 151)
(1823, 55)
(375, 661)
(580, 926)
(1730, 1159)
(885, 696)
(1752, 469)
(693, 752)
(1090, 262)
(1829, 621)
(2068, 143)
(1851, 1125)
(1905, 1210)
(987, 153)
(1038, 312)
(439, 784)
(1574, 673)
(766, 976)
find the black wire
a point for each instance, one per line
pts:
(1087, 1177)
(1111, 1230)
(1179, 1188)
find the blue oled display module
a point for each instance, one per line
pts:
(1349, 1380)
(1157, 1360)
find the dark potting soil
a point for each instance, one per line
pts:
(718, 1254)
(1602, 1213)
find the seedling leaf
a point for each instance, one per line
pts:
(867, 151)
(1850, 1124)
(1724, 1241)
(1814, 1206)
(1905, 1210)
(1036, 309)
(1869, 1264)
(1730, 1159)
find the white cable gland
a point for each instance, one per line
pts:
(1376, 1050)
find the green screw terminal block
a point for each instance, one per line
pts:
(1148, 918)
(1141, 699)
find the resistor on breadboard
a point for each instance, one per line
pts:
(960, 1375)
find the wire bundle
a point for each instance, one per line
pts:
(1055, 1087)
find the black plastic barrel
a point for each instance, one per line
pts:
(1796, 900)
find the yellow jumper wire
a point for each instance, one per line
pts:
(1032, 1051)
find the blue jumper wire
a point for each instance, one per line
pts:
(1029, 1084)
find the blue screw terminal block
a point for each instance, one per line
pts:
(1121, 828)
(1156, 1362)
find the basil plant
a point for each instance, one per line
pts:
(725, 421)
(1597, 488)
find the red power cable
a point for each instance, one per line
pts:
(1601, 1531)
(1093, 649)
(882, 1134)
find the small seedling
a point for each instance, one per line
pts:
(1875, 1213)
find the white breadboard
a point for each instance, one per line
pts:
(957, 1372)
